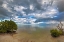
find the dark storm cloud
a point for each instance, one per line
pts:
(3, 13)
(1, 2)
(60, 5)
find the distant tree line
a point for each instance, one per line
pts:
(7, 26)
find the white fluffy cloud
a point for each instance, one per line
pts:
(24, 20)
(31, 7)
(20, 9)
(50, 13)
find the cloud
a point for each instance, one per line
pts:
(5, 6)
(50, 13)
(32, 11)
(24, 20)
(19, 8)
(31, 7)
(60, 5)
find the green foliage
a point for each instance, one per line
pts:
(55, 32)
(60, 32)
(7, 26)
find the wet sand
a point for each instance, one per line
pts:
(40, 35)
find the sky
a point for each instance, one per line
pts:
(33, 12)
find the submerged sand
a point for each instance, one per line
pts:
(40, 35)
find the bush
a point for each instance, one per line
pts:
(55, 32)
(60, 32)
(7, 25)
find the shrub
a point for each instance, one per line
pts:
(7, 25)
(55, 32)
(60, 32)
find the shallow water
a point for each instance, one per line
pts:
(36, 34)
(31, 28)
(31, 34)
